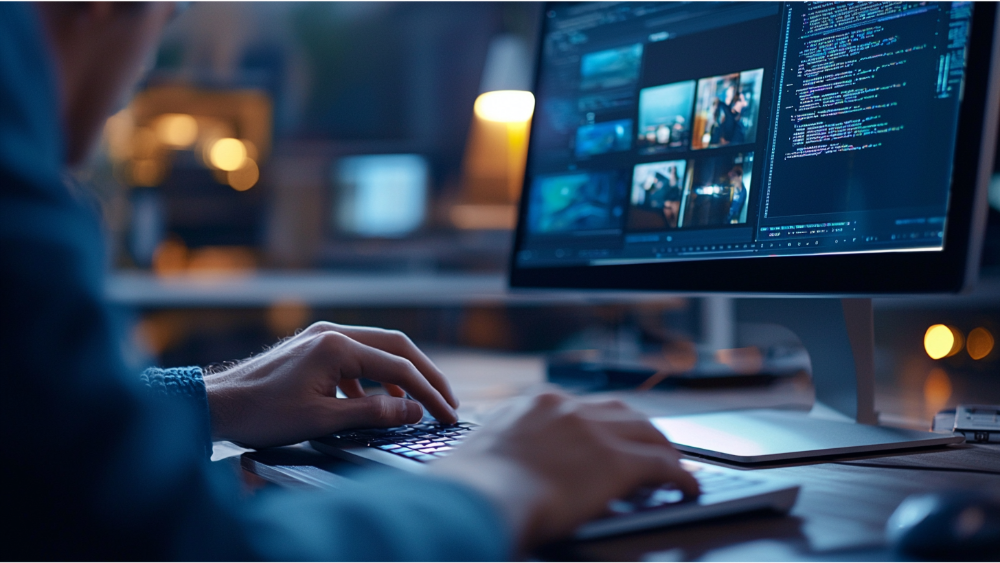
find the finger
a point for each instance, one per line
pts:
(384, 367)
(351, 388)
(655, 468)
(375, 411)
(394, 390)
(397, 343)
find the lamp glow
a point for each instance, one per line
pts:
(505, 106)
(227, 154)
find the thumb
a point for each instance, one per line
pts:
(374, 411)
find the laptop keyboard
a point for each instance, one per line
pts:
(423, 441)
(426, 441)
(713, 480)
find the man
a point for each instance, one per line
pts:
(663, 195)
(100, 466)
(727, 116)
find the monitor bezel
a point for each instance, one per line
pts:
(951, 270)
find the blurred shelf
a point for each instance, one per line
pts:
(328, 289)
(348, 289)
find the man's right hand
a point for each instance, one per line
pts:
(552, 462)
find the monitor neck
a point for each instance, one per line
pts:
(839, 336)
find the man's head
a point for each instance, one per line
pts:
(99, 49)
(730, 94)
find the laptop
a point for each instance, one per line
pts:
(724, 491)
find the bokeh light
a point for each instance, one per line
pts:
(251, 148)
(227, 154)
(980, 343)
(118, 131)
(505, 106)
(245, 178)
(177, 130)
(941, 341)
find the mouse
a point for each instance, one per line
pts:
(947, 526)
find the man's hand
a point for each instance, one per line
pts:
(289, 393)
(551, 462)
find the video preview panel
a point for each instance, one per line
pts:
(719, 191)
(611, 68)
(583, 201)
(665, 117)
(727, 109)
(602, 138)
(657, 190)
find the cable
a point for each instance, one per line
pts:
(917, 468)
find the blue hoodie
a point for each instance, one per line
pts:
(102, 464)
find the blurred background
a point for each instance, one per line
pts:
(361, 163)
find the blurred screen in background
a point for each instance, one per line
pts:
(380, 195)
(301, 135)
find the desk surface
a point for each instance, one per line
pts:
(841, 511)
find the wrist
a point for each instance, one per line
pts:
(218, 406)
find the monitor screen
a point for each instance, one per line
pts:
(673, 132)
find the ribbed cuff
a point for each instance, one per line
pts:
(185, 384)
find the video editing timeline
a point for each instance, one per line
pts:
(642, 152)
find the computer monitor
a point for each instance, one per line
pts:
(824, 149)
(759, 148)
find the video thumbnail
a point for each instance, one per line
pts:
(720, 191)
(657, 190)
(665, 117)
(577, 202)
(601, 138)
(726, 109)
(610, 68)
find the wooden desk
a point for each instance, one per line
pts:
(841, 511)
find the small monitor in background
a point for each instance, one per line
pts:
(380, 195)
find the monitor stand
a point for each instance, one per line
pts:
(839, 336)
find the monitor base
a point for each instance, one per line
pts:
(766, 435)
